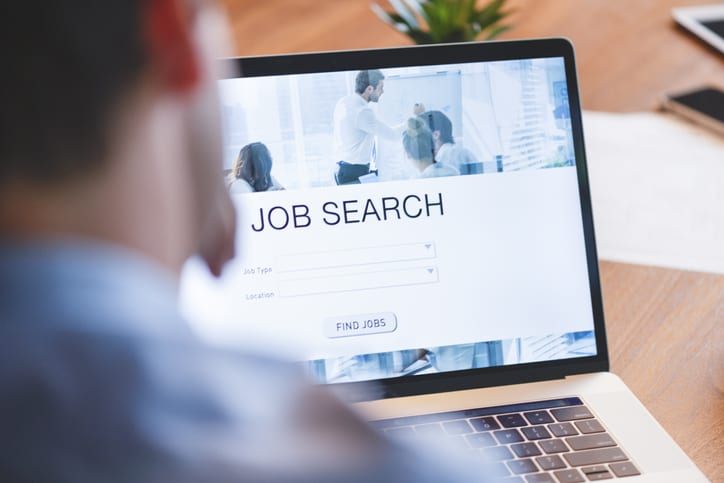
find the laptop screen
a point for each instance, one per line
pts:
(401, 221)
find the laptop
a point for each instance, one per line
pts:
(458, 295)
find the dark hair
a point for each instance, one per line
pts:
(66, 66)
(367, 78)
(254, 165)
(438, 121)
(417, 140)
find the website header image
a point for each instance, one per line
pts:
(313, 130)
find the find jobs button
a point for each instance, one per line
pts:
(356, 325)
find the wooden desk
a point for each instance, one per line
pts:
(629, 54)
(666, 341)
(665, 327)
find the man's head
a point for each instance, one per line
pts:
(370, 84)
(109, 123)
(60, 85)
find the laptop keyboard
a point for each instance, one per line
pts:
(556, 441)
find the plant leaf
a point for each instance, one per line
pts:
(435, 21)
(406, 13)
(414, 6)
(490, 14)
(466, 12)
(391, 19)
(421, 37)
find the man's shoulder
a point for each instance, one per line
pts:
(86, 286)
(115, 398)
(353, 100)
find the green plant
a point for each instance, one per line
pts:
(444, 21)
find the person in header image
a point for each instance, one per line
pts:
(419, 147)
(446, 150)
(251, 171)
(356, 128)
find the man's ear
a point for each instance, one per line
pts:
(367, 92)
(169, 44)
(436, 135)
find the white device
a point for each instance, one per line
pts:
(706, 22)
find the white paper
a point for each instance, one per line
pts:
(657, 188)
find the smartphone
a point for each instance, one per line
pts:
(703, 106)
(706, 22)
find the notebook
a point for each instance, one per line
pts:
(418, 221)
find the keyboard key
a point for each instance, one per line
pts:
(432, 430)
(548, 463)
(562, 429)
(535, 433)
(600, 440)
(538, 417)
(520, 467)
(512, 420)
(624, 469)
(572, 413)
(481, 440)
(506, 436)
(485, 424)
(553, 446)
(539, 478)
(404, 432)
(589, 426)
(457, 427)
(497, 453)
(594, 469)
(600, 476)
(524, 450)
(595, 456)
(569, 476)
(604, 475)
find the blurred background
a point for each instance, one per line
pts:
(629, 53)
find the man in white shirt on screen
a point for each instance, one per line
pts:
(356, 128)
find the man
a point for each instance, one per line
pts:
(110, 177)
(356, 128)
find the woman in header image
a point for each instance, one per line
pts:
(251, 171)
(446, 151)
(420, 150)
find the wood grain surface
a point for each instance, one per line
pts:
(629, 53)
(665, 333)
